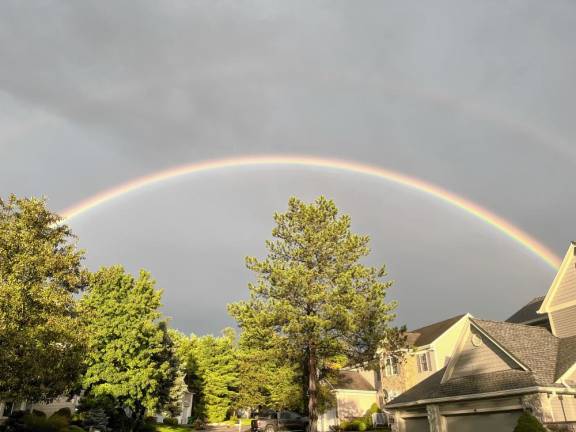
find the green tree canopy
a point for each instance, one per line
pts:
(528, 423)
(41, 347)
(212, 373)
(325, 307)
(131, 356)
(266, 378)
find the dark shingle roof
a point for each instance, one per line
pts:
(519, 340)
(545, 356)
(528, 312)
(352, 380)
(426, 335)
(432, 388)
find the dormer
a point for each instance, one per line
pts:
(560, 301)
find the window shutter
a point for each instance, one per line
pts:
(429, 361)
(418, 362)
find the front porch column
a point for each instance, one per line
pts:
(398, 425)
(435, 419)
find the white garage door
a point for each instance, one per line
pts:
(493, 422)
(419, 424)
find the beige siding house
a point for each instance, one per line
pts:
(354, 394)
(500, 369)
(430, 349)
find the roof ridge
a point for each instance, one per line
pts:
(517, 324)
(436, 322)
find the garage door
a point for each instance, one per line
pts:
(493, 422)
(419, 424)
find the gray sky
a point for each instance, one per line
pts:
(475, 96)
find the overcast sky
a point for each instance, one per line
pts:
(477, 97)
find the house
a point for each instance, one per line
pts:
(430, 348)
(7, 407)
(354, 393)
(186, 404)
(499, 369)
(357, 389)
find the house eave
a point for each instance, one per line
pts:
(541, 319)
(349, 391)
(525, 390)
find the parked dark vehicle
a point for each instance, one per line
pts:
(274, 421)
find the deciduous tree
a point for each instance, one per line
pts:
(312, 290)
(213, 374)
(131, 356)
(41, 346)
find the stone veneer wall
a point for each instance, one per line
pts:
(407, 376)
(435, 419)
(539, 405)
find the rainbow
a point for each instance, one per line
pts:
(468, 206)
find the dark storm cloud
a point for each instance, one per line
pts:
(475, 96)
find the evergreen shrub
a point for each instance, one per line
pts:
(528, 423)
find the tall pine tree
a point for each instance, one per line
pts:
(267, 379)
(322, 303)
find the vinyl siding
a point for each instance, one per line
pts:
(354, 404)
(486, 358)
(566, 291)
(444, 346)
(563, 408)
(564, 322)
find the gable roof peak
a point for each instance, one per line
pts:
(568, 259)
(512, 325)
(426, 335)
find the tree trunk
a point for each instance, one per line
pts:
(312, 390)
(138, 416)
(304, 383)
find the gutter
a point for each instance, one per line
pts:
(535, 389)
(349, 391)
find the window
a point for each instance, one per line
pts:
(424, 364)
(391, 366)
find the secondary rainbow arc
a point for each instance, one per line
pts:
(502, 225)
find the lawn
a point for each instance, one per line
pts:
(164, 428)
